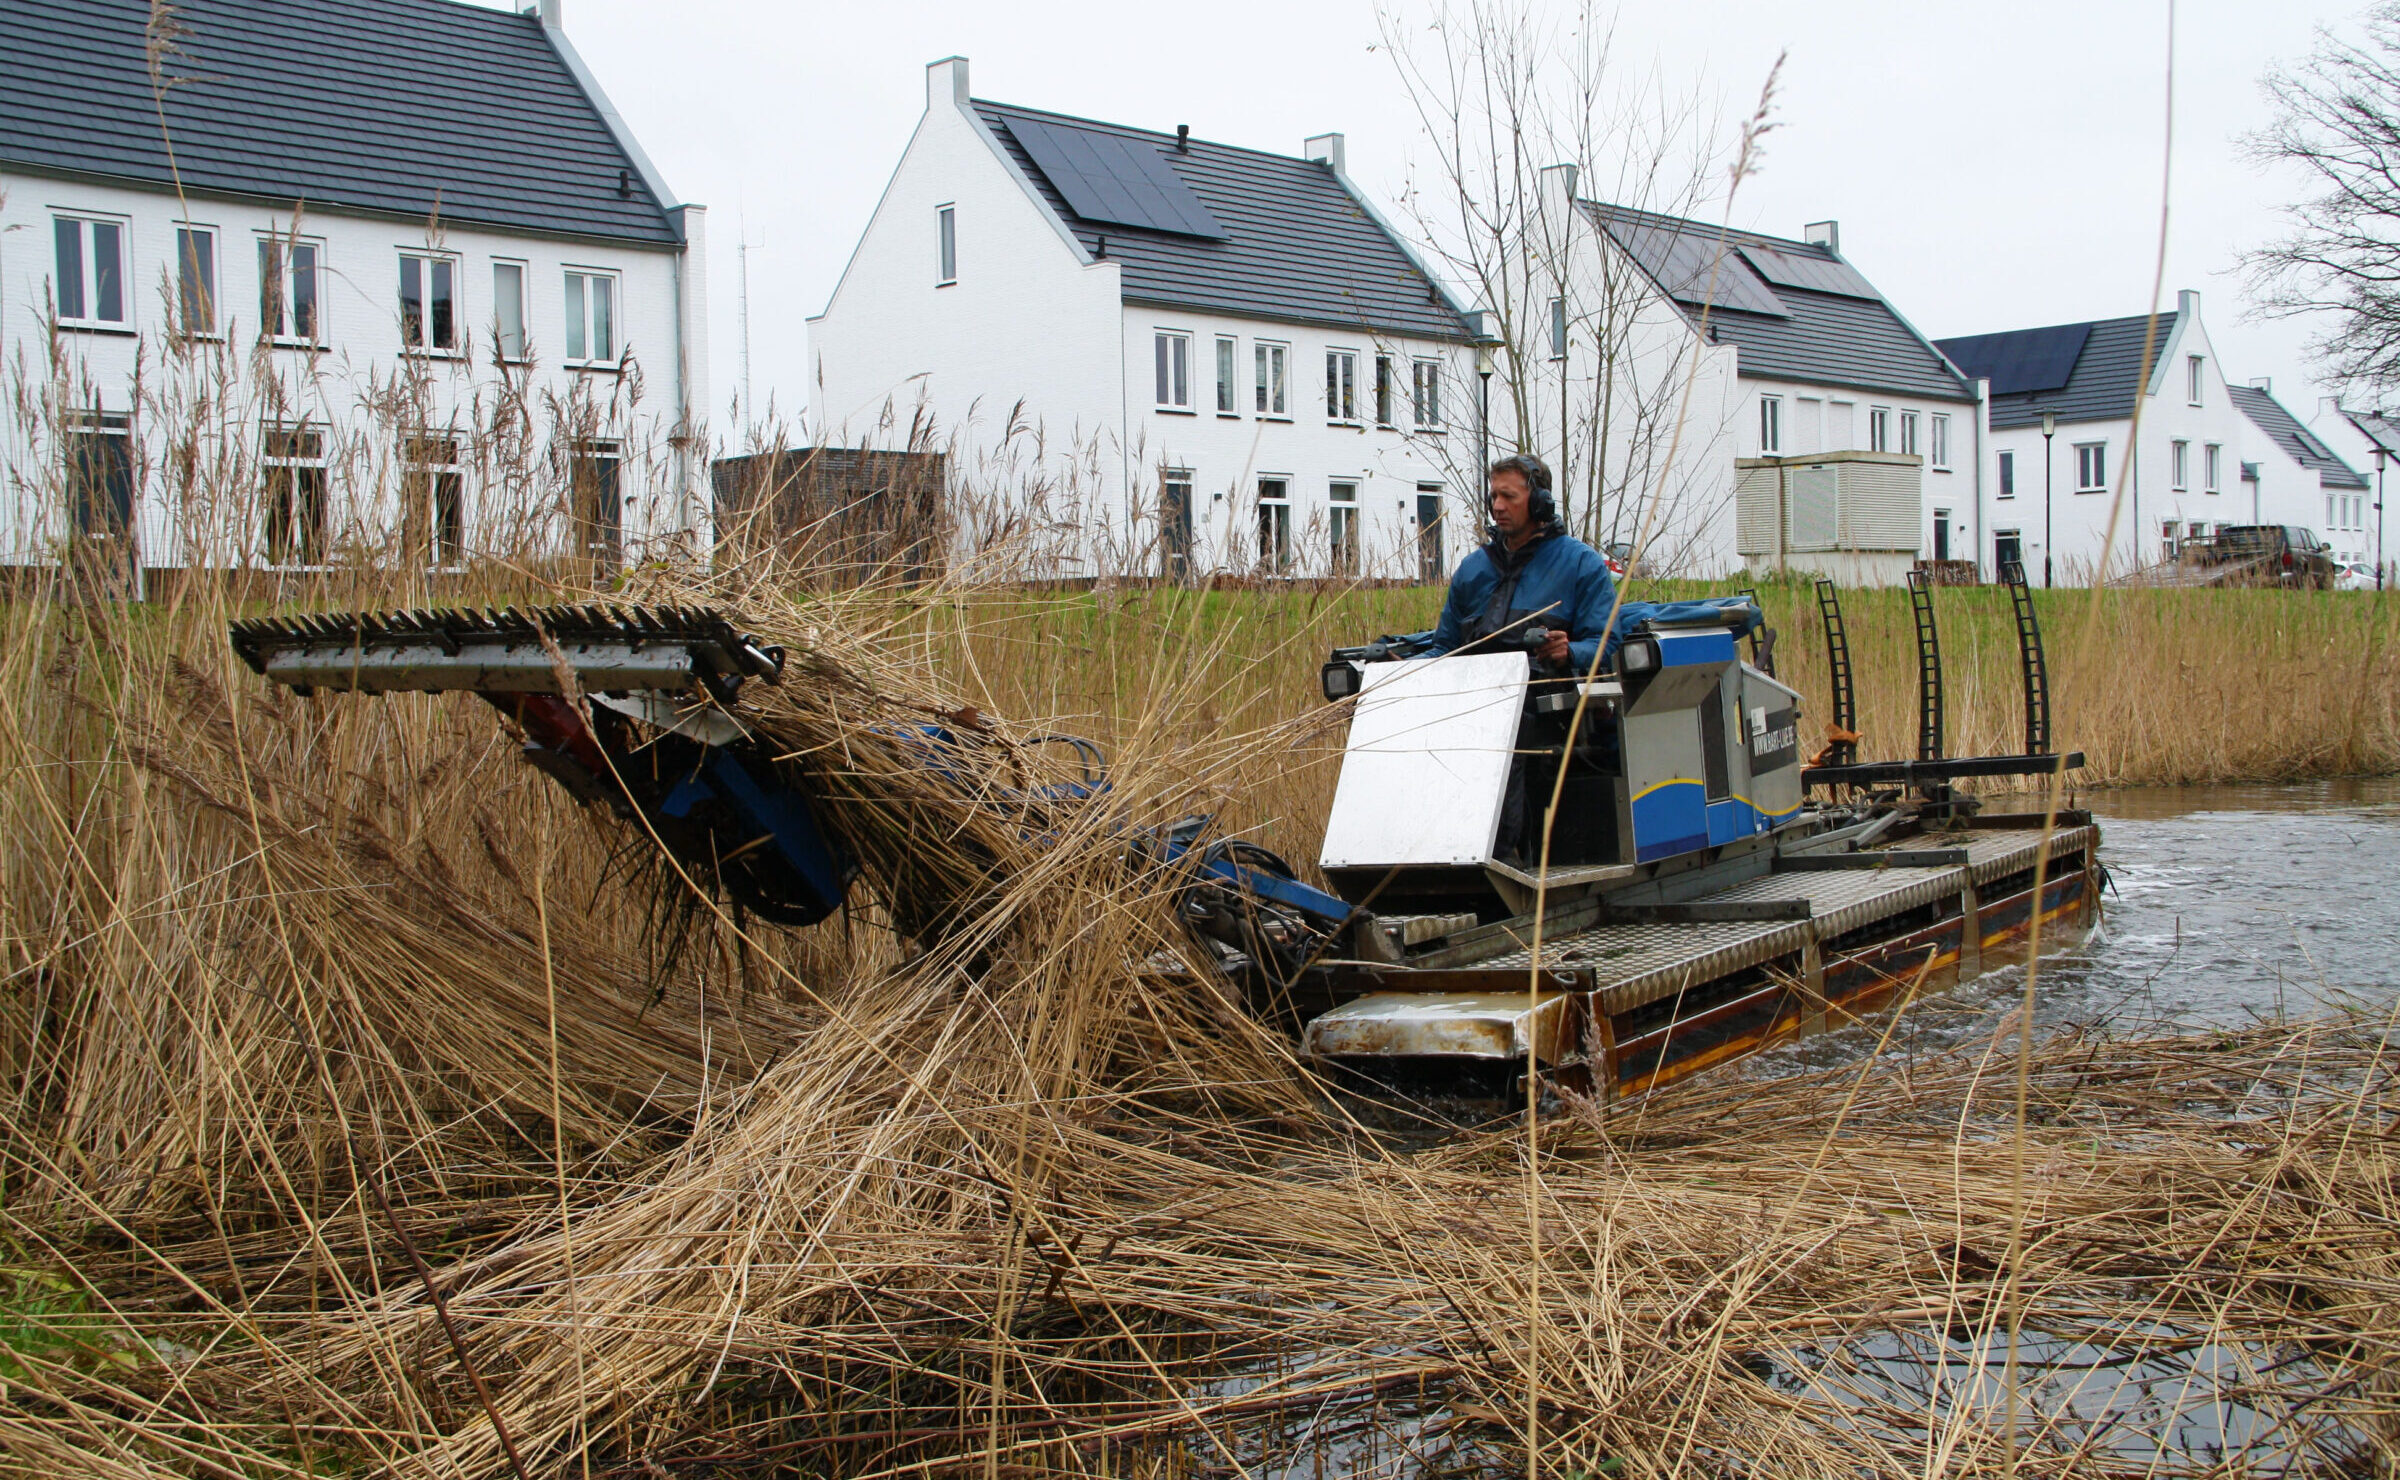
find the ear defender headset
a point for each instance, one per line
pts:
(1536, 473)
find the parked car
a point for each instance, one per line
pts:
(2273, 554)
(2356, 576)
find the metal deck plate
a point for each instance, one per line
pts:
(1637, 964)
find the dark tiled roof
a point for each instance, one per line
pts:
(389, 106)
(1298, 245)
(2383, 431)
(1830, 338)
(2106, 380)
(2298, 442)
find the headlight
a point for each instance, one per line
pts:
(1340, 680)
(1639, 656)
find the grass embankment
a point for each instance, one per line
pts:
(306, 996)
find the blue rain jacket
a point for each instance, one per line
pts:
(1561, 582)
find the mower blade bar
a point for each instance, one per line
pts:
(610, 650)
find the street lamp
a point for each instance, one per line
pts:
(2382, 456)
(2049, 430)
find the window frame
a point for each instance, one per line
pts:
(285, 249)
(2212, 466)
(1937, 440)
(945, 244)
(89, 282)
(1912, 424)
(312, 551)
(2193, 372)
(1425, 393)
(1558, 329)
(2091, 457)
(429, 263)
(523, 353)
(1229, 386)
(2005, 473)
(1277, 355)
(615, 358)
(1342, 526)
(1879, 429)
(599, 539)
(1386, 393)
(1770, 425)
(1175, 555)
(2179, 465)
(1171, 367)
(415, 465)
(1341, 389)
(1275, 513)
(116, 427)
(212, 291)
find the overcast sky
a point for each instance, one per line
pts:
(1991, 167)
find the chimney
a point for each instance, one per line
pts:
(1326, 149)
(2263, 383)
(1826, 234)
(1558, 192)
(2187, 303)
(2329, 406)
(1183, 138)
(945, 82)
(553, 13)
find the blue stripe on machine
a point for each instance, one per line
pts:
(1670, 818)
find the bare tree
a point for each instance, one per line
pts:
(1503, 95)
(2337, 124)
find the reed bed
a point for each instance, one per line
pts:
(384, 1112)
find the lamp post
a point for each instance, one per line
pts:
(1483, 406)
(2382, 456)
(2049, 430)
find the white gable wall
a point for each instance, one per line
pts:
(1029, 318)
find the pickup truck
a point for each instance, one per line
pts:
(2270, 555)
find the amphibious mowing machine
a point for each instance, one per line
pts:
(1708, 890)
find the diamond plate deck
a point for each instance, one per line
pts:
(1638, 964)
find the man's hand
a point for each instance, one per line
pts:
(1554, 650)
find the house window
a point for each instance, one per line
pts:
(1383, 390)
(2179, 465)
(2091, 467)
(2166, 539)
(1227, 388)
(946, 247)
(99, 448)
(291, 290)
(1274, 397)
(1428, 394)
(432, 499)
(1908, 432)
(1770, 425)
(591, 318)
(1558, 328)
(2008, 474)
(2008, 548)
(1429, 534)
(2191, 367)
(1342, 496)
(1175, 523)
(2212, 459)
(508, 309)
(1341, 385)
(1879, 429)
(91, 272)
(196, 279)
(428, 303)
(595, 485)
(1941, 440)
(1274, 526)
(1171, 356)
(293, 458)
(2331, 521)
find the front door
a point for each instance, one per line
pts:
(1430, 567)
(1941, 534)
(2008, 548)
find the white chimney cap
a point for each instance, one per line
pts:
(1826, 234)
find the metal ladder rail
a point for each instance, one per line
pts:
(1837, 667)
(2030, 660)
(1929, 668)
(1762, 638)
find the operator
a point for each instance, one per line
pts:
(1531, 573)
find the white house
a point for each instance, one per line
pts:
(388, 278)
(2296, 477)
(2051, 493)
(2370, 443)
(1743, 400)
(1171, 354)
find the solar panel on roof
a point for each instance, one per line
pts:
(1697, 269)
(1811, 270)
(1109, 177)
(2023, 359)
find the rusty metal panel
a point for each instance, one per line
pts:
(1473, 1025)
